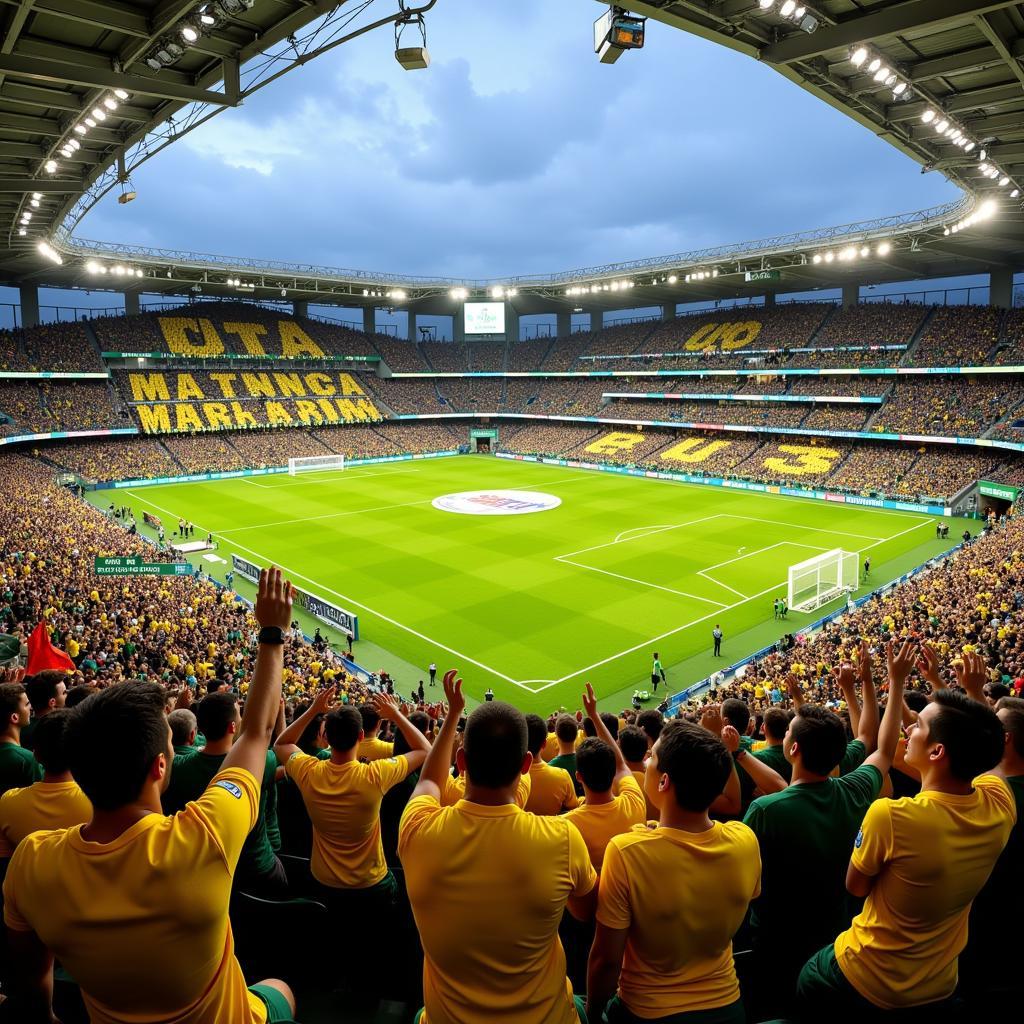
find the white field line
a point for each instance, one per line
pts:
(633, 579)
(810, 529)
(706, 573)
(331, 476)
(608, 544)
(360, 511)
(719, 583)
(646, 531)
(354, 603)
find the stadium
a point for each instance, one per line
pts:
(305, 569)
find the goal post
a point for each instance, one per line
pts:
(315, 463)
(822, 579)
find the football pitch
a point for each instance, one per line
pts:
(534, 605)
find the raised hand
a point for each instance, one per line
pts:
(711, 718)
(731, 738)
(793, 688)
(453, 694)
(323, 700)
(274, 599)
(185, 698)
(928, 666)
(900, 662)
(845, 676)
(590, 703)
(864, 664)
(386, 706)
(12, 675)
(972, 675)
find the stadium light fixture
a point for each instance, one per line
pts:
(22, 232)
(1015, 193)
(110, 103)
(858, 56)
(37, 195)
(121, 94)
(1004, 181)
(412, 58)
(81, 129)
(189, 33)
(47, 250)
(50, 167)
(672, 278)
(884, 248)
(33, 202)
(99, 113)
(90, 122)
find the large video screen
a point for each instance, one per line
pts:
(484, 317)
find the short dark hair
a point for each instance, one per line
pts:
(566, 728)
(589, 729)
(215, 713)
(822, 738)
(422, 722)
(997, 691)
(595, 761)
(48, 741)
(633, 743)
(370, 718)
(652, 722)
(776, 722)
(342, 727)
(42, 688)
(611, 723)
(495, 743)
(10, 700)
(696, 761)
(536, 734)
(79, 693)
(736, 713)
(916, 700)
(112, 740)
(970, 732)
(1014, 723)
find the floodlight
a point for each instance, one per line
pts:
(37, 195)
(942, 126)
(92, 267)
(1015, 193)
(816, 258)
(99, 114)
(983, 168)
(787, 8)
(829, 257)
(884, 249)
(121, 94)
(928, 116)
(153, 63)
(81, 129)
(882, 73)
(21, 231)
(90, 122)
(765, 4)
(899, 88)
(110, 103)
(858, 56)
(808, 24)
(672, 278)
(969, 146)
(189, 33)
(865, 251)
(875, 64)
(50, 167)
(33, 202)
(945, 231)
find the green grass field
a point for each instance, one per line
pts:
(535, 605)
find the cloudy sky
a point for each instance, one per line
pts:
(515, 152)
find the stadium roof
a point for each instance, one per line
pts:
(61, 60)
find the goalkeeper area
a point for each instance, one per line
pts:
(533, 579)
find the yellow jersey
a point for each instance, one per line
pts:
(455, 790)
(652, 812)
(157, 894)
(682, 895)
(40, 807)
(374, 749)
(599, 823)
(512, 870)
(343, 801)
(550, 748)
(930, 855)
(552, 790)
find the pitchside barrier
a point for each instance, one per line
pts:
(725, 675)
(740, 485)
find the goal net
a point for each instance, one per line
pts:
(315, 463)
(822, 579)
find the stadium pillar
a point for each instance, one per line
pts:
(29, 296)
(369, 320)
(563, 324)
(769, 299)
(300, 307)
(410, 331)
(1000, 287)
(132, 307)
(511, 323)
(668, 311)
(596, 319)
(851, 295)
(458, 327)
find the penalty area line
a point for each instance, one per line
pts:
(357, 604)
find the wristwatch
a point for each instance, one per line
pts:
(270, 635)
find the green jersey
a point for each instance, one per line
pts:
(18, 767)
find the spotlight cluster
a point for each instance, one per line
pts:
(790, 10)
(849, 253)
(47, 250)
(986, 210)
(882, 72)
(701, 275)
(504, 293)
(237, 282)
(171, 47)
(115, 269)
(604, 286)
(397, 294)
(458, 294)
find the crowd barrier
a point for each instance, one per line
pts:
(677, 700)
(53, 375)
(761, 371)
(702, 396)
(192, 478)
(740, 485)
(64, 434)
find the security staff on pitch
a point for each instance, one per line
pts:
(716, 634)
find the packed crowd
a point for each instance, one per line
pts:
(49, 407)
(833, 834)
(57, 346)
(872, 323)
(957, 336)
(949, 407)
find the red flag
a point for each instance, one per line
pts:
(42, 655)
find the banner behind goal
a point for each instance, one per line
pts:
(822, 579)
(313, 463)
